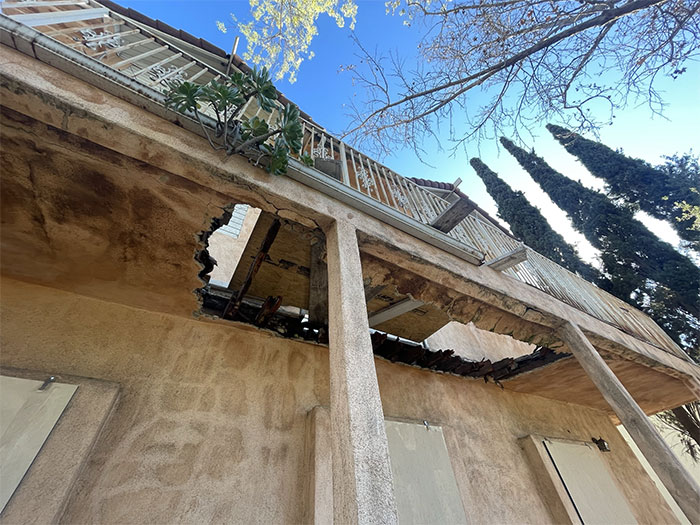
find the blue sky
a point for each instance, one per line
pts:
(323, 91)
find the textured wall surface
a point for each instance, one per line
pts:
(210, 425)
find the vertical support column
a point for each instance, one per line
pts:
(679, 483)
(344, 164)
(362, 480)
(318, 284)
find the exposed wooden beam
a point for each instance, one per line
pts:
(235, 302)
(268, 309)
(318, 285)
(373, 291)
(453, 215)
(508, 260)
(681, 485)
(395, 310)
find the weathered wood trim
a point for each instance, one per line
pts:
(235, 301)
(318, 285)
(452, 216)
(508, 260)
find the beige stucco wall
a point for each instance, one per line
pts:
(211, 421)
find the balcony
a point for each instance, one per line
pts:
(146, 55)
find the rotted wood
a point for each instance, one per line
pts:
(453, 215)
(268, 309)
(508, 260)
(414, 354)
(318, 285)
(234, 303)
(373, 291)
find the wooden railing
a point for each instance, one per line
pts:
(380, 183)
(153, 60)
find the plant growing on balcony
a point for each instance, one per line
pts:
(225, 102)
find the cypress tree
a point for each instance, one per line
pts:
(642, 270)
(654, 190)
(527, 224)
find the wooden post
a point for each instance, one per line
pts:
(362, 481)
(318, 285)
(453, 215)
(676, 479)
(235, 302)
(344, 164)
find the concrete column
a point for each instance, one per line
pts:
(362, 480)
(682, 487)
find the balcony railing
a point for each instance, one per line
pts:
(152, 59)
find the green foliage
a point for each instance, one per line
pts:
(225, 101)
(689, 213)
(641, 269)
(654, 190)
(253, 127)
(527, 224)
(183, 97)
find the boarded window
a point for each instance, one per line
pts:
(27, 416)
(588, 483)
(424, 483)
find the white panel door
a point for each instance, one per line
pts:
(598, 500)
(424, 483)
(27, 416)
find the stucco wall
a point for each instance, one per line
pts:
(210, 425)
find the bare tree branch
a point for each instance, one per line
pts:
(531, 59)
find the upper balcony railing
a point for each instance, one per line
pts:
(147, 56)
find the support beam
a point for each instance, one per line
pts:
(236, 299)
(453, 215)
(373, 291)
(395, 310)
(318, 285)
(508, 260)
(362, 481)
(682, 487)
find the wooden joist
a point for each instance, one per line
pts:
(373, 291)
(453, 215)
(267, 310)
(508, 260)
(318, 285)
(395, 310)
(235, 302)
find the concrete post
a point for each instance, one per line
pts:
(679, 483)
(362, 480)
